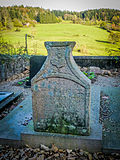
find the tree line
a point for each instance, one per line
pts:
(19, 16)
(95, 14)
(107, 18)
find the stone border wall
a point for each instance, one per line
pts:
(11, 65)
(103, 62)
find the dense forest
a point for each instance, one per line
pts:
(19, 16)
(95, 14)
(107, 18)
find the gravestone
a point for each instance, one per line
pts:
(61, 93)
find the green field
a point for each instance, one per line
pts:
(90, 40)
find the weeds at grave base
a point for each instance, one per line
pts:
(22, 82)
(90, 75)
(117, 60)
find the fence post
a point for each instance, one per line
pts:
(26, 50)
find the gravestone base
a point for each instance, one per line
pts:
(91, 143)
(34, 139)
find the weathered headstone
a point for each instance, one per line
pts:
(61, 93)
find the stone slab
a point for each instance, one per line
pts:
(90, 143)
(13, 124)
(8, 100)
(111, 115)
(4, 95)
(12, 130)
(34, 139)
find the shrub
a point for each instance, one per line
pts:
(115, 27)
(17, 23)
(103, 25)
(114, 37)
(7, 48)
(17, 30)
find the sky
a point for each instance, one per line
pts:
(71, 5)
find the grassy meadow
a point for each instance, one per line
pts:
(90, 40)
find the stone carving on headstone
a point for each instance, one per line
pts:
(61, 93)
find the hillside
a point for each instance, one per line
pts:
(96, 32)
(90, 40)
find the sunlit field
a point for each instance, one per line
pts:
(90, 40)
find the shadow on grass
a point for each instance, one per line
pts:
(115, 50)
(103, 41)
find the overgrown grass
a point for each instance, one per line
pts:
(90, 40)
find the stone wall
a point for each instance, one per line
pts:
(11, 65)
(103, 62)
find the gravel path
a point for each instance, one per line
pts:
(52, 153)
(108, 81)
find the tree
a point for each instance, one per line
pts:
(38, 17)
(12, 13)
(1, 26)
(59, 19)
(9, 23)
(103, 25)
(116, 20)
(17, 23)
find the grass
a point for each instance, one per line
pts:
(90, 40)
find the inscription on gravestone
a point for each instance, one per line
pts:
(61, 93)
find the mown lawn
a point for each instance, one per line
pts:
(90, 40)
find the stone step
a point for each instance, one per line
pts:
(34, 139)
(14, 123)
